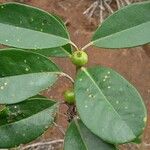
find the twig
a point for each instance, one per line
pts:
(42, 143)
(67, 76)
(101, 12)
(86, 46)
(108, 7)
(60, 128)
(118, 4)
(62, 114)
(89, 12)
(122, 3)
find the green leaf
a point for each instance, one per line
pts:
(26, 121)
(64, 51)
(24, 74)
(127, 27)
(109, 105)
(61, 21)
(138, 140)
(78, 137)
(27, 27)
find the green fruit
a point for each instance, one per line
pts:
(79, 58)
(69, 96)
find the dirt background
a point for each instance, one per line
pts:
(133, 64)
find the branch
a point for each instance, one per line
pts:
(42, 143)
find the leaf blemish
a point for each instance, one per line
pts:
(15, 107)
(32, 19)
(27, 69)
(104, 80)
(145, 119)
(80, 79)
(2, 87)
(5, 83)
(87, 90)
(106, 77)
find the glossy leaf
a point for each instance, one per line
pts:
(78, 137)
(26, 121)
(127, 27)
(109, 105)
(24, 74)
(27, 27)
(64, 51)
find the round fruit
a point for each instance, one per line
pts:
(69, 96)
(79, 58)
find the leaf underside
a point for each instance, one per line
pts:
(64, 51)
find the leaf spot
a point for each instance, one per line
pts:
(90, 95)
(126, 107)
(32, 19)
(80, 79)
(15, 107)
(25, 60)
(104, 80)
(86, 106)
(145, 119)
(87, 90)
(108, 87)
(2, 7)
(106, 77)
(46, 127)
(2, 87)
(20, 21)
(27, 69)
(6, 40)
(5, 83)
(117, 102)
(108, 72)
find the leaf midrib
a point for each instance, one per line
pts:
(78, 128)
(32, 7)
(11, 76)
(15, 122)
(88, 74)
(56, 36)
